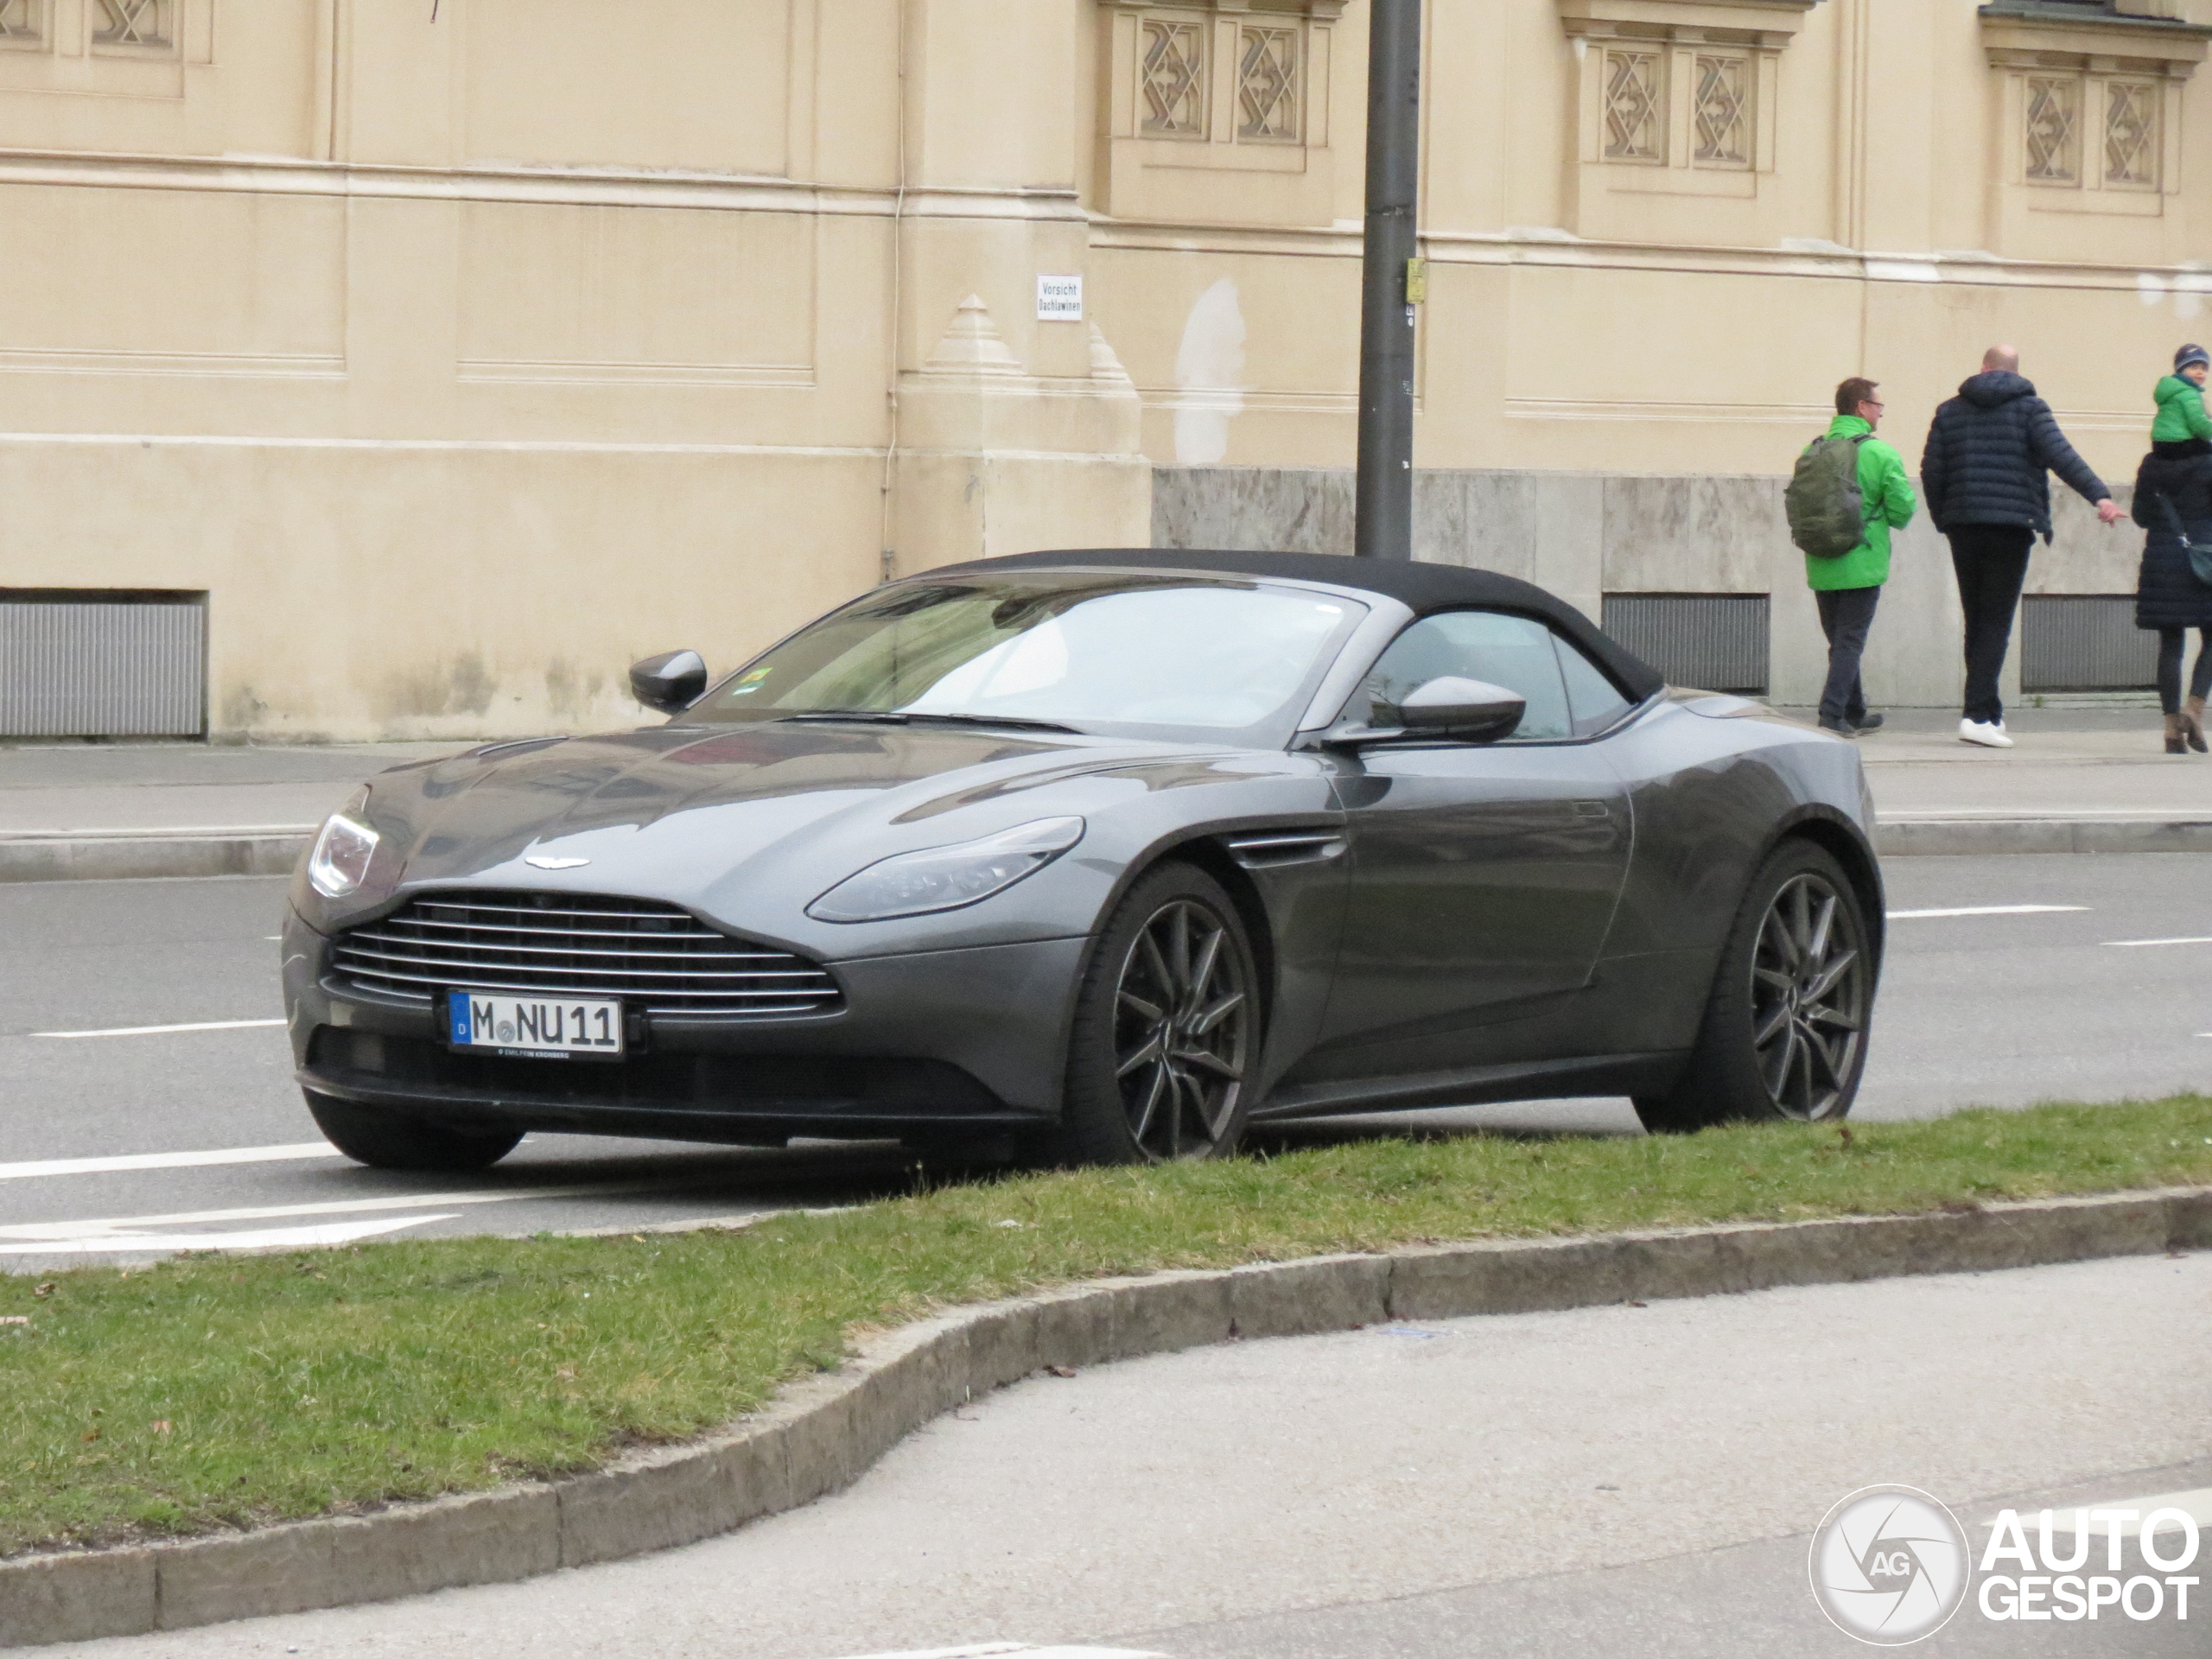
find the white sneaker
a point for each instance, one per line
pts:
(1989, 735)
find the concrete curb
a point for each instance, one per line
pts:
(273, 852)
(1909, 838)
(124, 856)
(823, 1432)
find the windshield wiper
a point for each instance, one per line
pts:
(892, 717)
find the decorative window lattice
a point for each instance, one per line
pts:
(2054, 111)
(1635, 112)
(2132, 134)
(1724, 128)
(20, 21)
(1266, 85)
(1173, 78)
(131, 23)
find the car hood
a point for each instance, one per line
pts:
(639, 810)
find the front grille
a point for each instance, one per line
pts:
(652, 956)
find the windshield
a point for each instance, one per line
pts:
(1121, 654)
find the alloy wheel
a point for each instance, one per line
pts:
(1182, 1031)
(1809, 994)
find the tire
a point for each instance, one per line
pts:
(1783, 1038)
(1166, 1029)
(385, 1139)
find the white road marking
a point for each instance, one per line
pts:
(272, 1238)
(157, 1031)
(43, 1168)
(2133, 944)
(993, 1649)
(1983, 910)
(2196, 1505)
(67, 1230)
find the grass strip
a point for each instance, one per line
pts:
(216, 1391)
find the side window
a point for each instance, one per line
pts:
(1509, 650)
(1594, 701)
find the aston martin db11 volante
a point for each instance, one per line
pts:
(1104, 855)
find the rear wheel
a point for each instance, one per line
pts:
(1166, 1028)
(1784, 1034)
(385, 1139)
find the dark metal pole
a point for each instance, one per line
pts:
(1391, 286)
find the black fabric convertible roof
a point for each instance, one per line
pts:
(1423, 588)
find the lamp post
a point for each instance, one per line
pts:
(1392, 283)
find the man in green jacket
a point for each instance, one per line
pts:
(1846, 589)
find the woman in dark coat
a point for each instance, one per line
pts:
(2173, 496)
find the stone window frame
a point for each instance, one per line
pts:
(2108, 67)
(1239, 105)
(2139, 167)
(1697, 146)
(1634, 76)
(80, 46)
(134, 29)
(1271, 94)
(2095, 101)
(26, 25)
(1184, 42)
(1724, 112)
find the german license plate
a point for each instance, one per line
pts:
(535, 1028)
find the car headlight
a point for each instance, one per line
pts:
(340, 862)
(945, 878)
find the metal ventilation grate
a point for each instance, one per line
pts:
(2085, 642)
(1715, 642)
(652, 956)
(89, 663)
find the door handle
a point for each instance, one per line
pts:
(1593, 810)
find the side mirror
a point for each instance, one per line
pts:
(1473, 711)
(670, 682)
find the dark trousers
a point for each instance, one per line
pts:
(1991, 561)
(2173, 643)
(1847, 614)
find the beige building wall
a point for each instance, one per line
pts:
(461, 351)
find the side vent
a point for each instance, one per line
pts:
(1269, 849)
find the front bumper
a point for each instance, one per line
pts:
(953, 1039)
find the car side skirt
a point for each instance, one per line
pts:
(1481, 1085)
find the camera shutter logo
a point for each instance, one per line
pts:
(1890, 1565)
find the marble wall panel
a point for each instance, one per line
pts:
(1583, 535)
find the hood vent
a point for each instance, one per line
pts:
(1267, 850)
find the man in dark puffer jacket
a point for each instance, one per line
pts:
(1984, 476)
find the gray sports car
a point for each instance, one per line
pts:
(1105, 857)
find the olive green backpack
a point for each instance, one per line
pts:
(1828, 514)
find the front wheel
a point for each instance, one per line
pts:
(1166, 1028)
(1784, 1033)
(385, 1139)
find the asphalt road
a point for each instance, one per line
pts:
(1614, 1483)
(1998, 1008)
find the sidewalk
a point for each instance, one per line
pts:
(2082, 779)
(175, 809)
(2077, 779)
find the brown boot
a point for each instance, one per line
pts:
(2193, 716)
(2174, 728)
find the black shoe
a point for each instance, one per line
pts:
(1841, 727)
(1869, 722)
